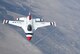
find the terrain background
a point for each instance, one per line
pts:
(64, 39)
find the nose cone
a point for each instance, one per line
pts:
(28, 37)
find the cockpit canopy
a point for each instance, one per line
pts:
(29, 28)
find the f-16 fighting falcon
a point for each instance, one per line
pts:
(28, 24)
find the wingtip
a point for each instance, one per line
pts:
(5, 21)
(53, 23)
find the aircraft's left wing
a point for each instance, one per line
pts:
(15, 23)
(43, 24)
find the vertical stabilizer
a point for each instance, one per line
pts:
(29, 16)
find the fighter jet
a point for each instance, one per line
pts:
(28, 24)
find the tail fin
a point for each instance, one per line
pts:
(29, 16)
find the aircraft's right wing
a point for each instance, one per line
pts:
(15, 23)
(43, 24)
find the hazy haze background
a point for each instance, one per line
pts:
(64, 39)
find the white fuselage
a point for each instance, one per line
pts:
(27, 24)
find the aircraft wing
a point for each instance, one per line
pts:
(43, 24)
(15, 23)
